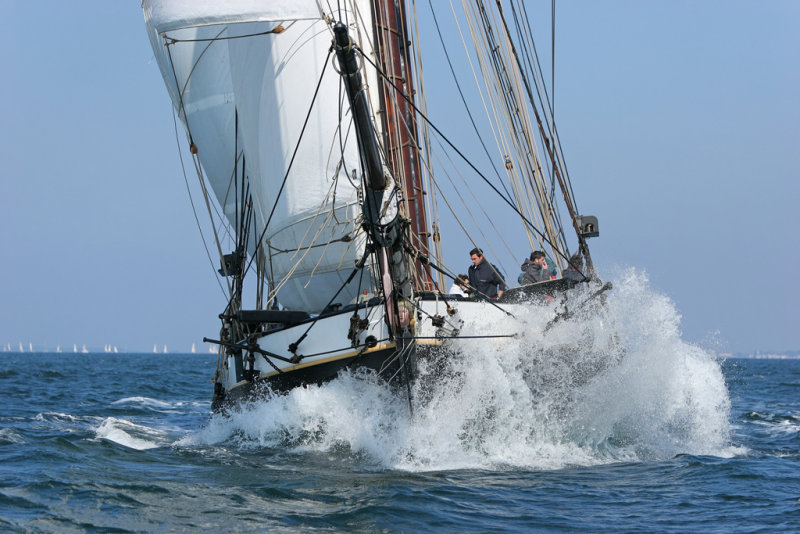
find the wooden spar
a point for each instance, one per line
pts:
(386, 236)
(400, 133)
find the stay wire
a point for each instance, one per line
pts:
(536, 70)
(359, 265)
(556, 138)
(552, 150)
(519, 130)
(191, 201)
(191, 142)
(463, 157)
(463, 98)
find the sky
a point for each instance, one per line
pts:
(680, 124)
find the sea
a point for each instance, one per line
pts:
(632, 431)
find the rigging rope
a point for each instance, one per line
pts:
(461, 93)
(465, 159)
(191, 201)
(260, 240)
(359, 265)
(195, 159)
(277, 29)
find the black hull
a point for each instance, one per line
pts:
(385, 362)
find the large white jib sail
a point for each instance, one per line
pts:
(254, 85)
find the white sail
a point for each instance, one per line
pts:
(270, 78)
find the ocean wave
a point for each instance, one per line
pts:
(131, 435)
(67, 422)
(144, 401)
(9, 436)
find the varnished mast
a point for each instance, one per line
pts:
(400, 125)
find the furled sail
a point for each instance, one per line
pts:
(258, 64)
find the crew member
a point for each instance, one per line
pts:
(484, 277)
(535, 269)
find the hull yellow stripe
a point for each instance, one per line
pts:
(331, 359)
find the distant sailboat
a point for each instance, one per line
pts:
(194, 349)
(58, 348)
(115, 349)
(155, 349)
(83, 350)
(20, 347)
(165, 349)
(74, 348)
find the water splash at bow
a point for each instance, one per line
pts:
(615, 383)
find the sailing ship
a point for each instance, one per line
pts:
(328, 186)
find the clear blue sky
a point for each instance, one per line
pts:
(680, 122)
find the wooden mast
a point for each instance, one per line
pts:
(400, 134)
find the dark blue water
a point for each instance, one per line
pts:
(125, 443)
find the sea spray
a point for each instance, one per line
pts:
(614, 382)
(665, 396)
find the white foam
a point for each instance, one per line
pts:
(780, 426)
(144, 401)
(130, 434)
(55, 416)
(66, 422)
(9, 435)
(616, 384)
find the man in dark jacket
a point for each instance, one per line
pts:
(484, 277)
(535, 269)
